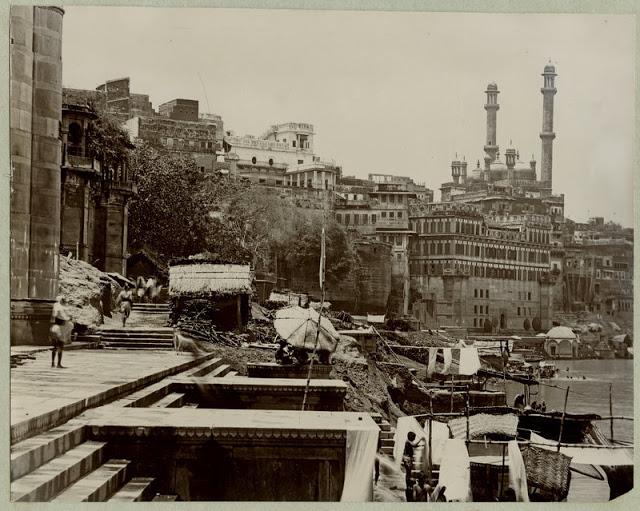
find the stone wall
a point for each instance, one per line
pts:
(365, 290)
(457, 301)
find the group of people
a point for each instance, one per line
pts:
(290, 355)
(418, 489)
(520, 403)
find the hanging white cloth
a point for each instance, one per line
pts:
(439, 437)
(446, 352)
(587, 455)
(362, 446)
(431, 366)
(455, 471)
(469, 361)
(403, 427)
(517, 472)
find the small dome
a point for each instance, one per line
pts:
(549, 68)
(493, 86)
(561, 332)
(498, 165)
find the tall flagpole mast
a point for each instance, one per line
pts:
(321, 278)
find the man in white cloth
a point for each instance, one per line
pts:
(60, 331)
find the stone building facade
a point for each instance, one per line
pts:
(468, 267)
(94, 199)
(34, 131)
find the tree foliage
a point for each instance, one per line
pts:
(302, 249)
(165, 215)
(108, 142)
(527, 324)
(179, 211)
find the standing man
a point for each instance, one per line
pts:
(60, 331)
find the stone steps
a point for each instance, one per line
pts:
(139, 345)
(172, 400)
(97, 486)
(46, 481)
(190, 405)
(150, 306)
(28, 455)
(132, 332)
(387, 442)
(137, 489)
(231, 374)
(137, 338)
(219, 371)
(206, 368)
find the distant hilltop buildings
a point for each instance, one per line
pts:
(495, 254)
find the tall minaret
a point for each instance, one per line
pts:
(492, 107)
(547, 135)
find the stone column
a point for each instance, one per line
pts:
(21, 93)
(36, 113)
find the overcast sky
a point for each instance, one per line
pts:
(397, 93)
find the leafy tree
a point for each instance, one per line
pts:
(527, 324)
(108, 143)
(165, 215)
(488, 326)
(303, 253)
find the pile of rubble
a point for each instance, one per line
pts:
(89, 292)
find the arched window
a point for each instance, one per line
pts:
(254, 160)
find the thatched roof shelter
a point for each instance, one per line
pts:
(204, 278)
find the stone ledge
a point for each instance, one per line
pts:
(38, 424)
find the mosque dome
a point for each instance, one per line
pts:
(524, 171)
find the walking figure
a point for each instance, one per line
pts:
(125, 299)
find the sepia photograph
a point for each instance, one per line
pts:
(307, 255)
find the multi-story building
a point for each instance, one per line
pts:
(468, 267)
(483, 256)
(283, 156)
(379, 208)
(178, 126)
(94, 198)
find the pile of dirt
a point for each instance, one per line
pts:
(89, 293)
(367, 389)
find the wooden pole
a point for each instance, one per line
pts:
(430, 465)
(451, 393)
(564, 413)
(466, 409)
(611, 408)
(502, 472)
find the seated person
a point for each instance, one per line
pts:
(283, 356)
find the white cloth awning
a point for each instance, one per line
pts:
(602, 455)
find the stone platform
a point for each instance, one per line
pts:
(207, 454)
(241, 392)
(274, 370)
(43, 397)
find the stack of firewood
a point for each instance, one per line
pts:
(204, 330)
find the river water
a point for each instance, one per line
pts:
(588, 382)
